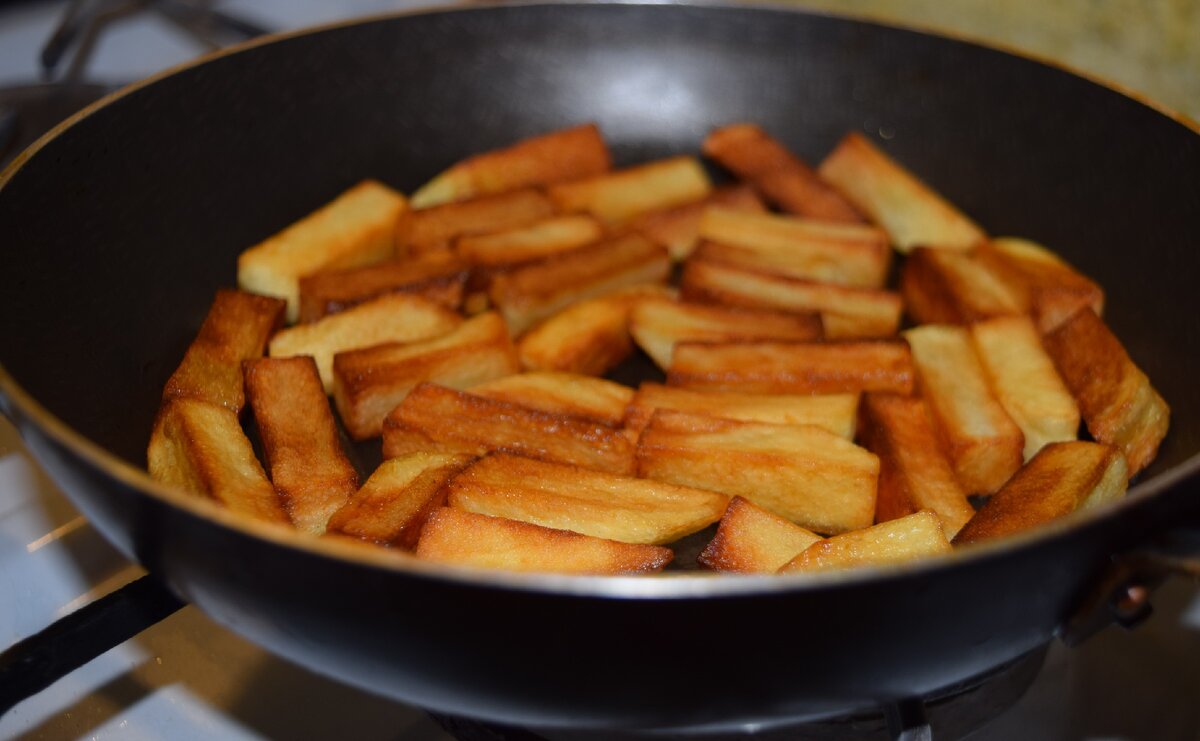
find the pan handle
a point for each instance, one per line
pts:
(1123, 594)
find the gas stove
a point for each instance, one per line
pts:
(188, 678)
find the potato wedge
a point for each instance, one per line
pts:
(833, 412)
(558, 156)
(911, 212)
(914, 473)
(589, 337)
(465, 538)
(393, 317)
(793, 367)
(678, 228)
(304, 454)
(370, 382)
(616, 197)
(916, 536)
(983, 443)
(831, 252)
(1116, 399)
(561, 393)
(751, 540)
(1056, 290)
(354, 229)
(1062, 478)
(594, 503)
(531, 293)
(438, 277)
(846, 312)
(952, 287)
(236, 328)
(200, 448)
(437, 419)
(782, 178)
(803, 473)
(436, 228)
(658, 324)
(1024, 380)
(392, 507)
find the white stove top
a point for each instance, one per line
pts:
(187, 678)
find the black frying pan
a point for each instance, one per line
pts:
(118, 228)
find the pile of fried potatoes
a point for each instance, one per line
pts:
(468, 328)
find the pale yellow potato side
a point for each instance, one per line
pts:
(357, 228)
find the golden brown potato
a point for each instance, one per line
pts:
(465, 538)
(678, 228)
(438, 419)
(1055, 289)
(590, 337)
(1062, 478)
(200, 448)
(237, 328)
(594, 503)
(566, 154)
(751, 540)
(783, 179)
(846, 312)
(436, 228)
(499, 251)
(943, 286)
(617, 197)
(370, 382)
(1024, 380)
(531, 293)
(561, 393)
(659, 323)
(983, 443)
(806, 474)
(354, 229)
(393, 317)
(394, 504)
(910, 211)
(914, 473)
(833, 412)
(437, 276)
(1116, 399)
(895, 541)
(790, 246)
(793, 367)
(300, 439)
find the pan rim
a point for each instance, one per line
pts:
(673, 586)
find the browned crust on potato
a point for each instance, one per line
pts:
(236, 328)
(794, 367)
(914, 474)
(1115, 397)
(436, 228)
(1060, 479)
(465, 538)
(439, 419)
(751, 540)
(201, 448)
(392, 507)
(437, 276)
(780, 176)
(300, 440)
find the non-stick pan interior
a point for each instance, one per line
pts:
(117, 232)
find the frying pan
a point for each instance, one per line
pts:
(119, 226)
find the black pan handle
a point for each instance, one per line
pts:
(33, 664)
(1123, 595)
